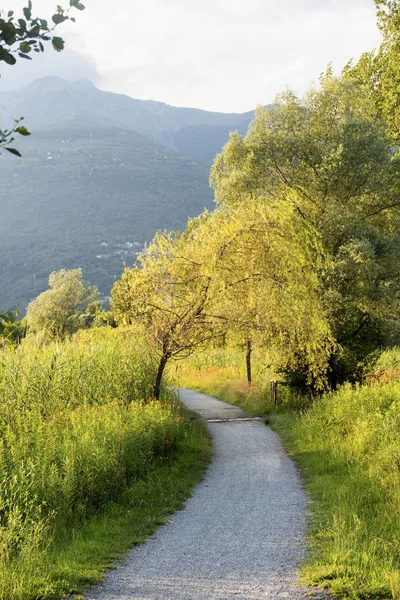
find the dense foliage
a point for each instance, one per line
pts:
(248, 271)
(77, 426)
(60, 311)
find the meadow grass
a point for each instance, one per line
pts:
(347, 445)
(348, 448)
(89, 463)
(221, 372)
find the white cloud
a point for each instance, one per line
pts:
(226, 55)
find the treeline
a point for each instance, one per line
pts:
(301, 255)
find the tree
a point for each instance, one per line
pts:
(336, 165)
(167, 298)
(60, 310)
(379, 71)
(265, 258)
(246, 270)
(18, 39)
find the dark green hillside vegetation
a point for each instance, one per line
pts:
(99, 168)
(95, 197)
(89, 463)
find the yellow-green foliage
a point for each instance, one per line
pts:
(349, 446)
(221, 372)
(76, 427)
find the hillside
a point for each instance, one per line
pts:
(99, 176)
(52, 102)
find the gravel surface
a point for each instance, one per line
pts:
(240, 537)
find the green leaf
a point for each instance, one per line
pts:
(58, 44)
(59, 18)
(13, 151)
(8, 58)
(22, 131)
(22, 24)
(21, 55)
(10, 13)
(76, 4)
(25, 47)
(27, 13)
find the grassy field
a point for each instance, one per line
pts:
(221, 372)
(347, 446)
(89, 463)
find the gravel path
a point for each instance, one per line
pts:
(240, 537)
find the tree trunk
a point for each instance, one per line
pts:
(160, 371)
(248, 361)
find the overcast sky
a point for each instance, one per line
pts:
(224, 55)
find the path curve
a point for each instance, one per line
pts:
(240, 537)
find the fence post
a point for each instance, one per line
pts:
(274, 392)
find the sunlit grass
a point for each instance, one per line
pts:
(89, 463)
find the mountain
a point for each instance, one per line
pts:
(52, 102)
(99, 176)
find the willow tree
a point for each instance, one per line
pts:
(59, 311)
(335, 163)
(249, 270)
(265, 260)
(167, 297)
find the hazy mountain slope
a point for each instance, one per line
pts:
(89, 199)
(100, 175)
(49, 101)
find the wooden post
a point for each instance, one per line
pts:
(248, 361)
(274, 392)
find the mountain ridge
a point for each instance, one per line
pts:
(100, 174)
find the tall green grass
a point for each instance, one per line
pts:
(77, 429)
(348, 446)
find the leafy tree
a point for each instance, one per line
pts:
(265, 259)
(167, 298)
(336, 165)
(19, 37)
(60, 311)
(246, 270)
(379, 71)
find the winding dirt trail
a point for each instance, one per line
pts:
(240, 537)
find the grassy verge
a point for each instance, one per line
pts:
(81, 558)
(348, 450)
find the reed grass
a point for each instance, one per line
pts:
(78, 430)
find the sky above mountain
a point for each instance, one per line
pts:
(222, 55)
